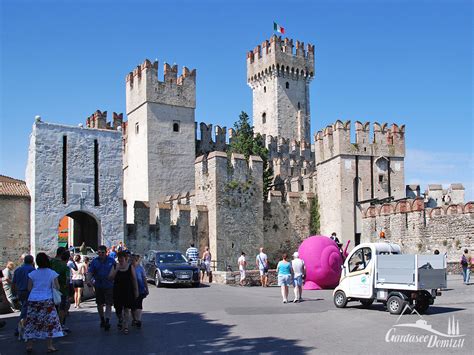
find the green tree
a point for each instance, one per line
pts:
(315, 223)
(247, 143)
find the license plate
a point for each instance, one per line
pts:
(183, 277)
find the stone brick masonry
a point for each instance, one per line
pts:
(450, 229)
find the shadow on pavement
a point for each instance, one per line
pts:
(441, 309)
(170, 333)
(380, 307)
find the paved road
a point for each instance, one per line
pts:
(253, 320)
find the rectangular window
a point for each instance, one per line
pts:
(64, 169)
(96, 173)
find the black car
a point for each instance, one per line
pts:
(170, 267)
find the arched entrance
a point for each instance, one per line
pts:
(79, 227)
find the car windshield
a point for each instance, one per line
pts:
(170, 258)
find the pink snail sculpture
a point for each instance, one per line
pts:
(323, 261)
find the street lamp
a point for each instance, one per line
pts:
(83, 196)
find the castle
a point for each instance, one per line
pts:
(160, 180)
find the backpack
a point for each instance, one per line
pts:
(463, 260)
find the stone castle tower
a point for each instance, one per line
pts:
(351, 175)
(280, 80)
(160, 138)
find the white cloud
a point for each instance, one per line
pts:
(429, 167)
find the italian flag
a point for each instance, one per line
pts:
(278, 28)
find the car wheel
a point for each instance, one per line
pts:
(367, 303)
(157, 279)
(340, 299)
(395, 305)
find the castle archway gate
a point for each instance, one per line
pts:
(82, 228)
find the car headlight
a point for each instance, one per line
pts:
(167, 272)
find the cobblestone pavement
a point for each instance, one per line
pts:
(220, 318)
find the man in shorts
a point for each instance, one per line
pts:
(242, 264)
(299, 272)
(262, 263)
(99, 271)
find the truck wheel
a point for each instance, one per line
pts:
(367, 303)
(157, 279)
(422, 304)
(395, 305)
(340, 299)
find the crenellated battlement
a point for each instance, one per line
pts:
(98, 120)
(289, 158)
(278, 57)
(335, 140)
(211, 139)
(233, 171)
(170, 73)
(416, 205)
(291, 197)
(142, 85)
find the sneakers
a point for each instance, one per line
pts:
(285, 301)
(295, 300)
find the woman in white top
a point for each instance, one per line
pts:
(78, 278)
(42, 321)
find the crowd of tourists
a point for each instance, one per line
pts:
(288, 273)
(43, 289)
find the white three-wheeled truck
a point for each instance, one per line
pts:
(380, 272)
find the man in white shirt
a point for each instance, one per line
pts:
(192, 254)
(262, 263)
(242, 264)
(299, 272)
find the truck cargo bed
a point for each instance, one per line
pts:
(412, 272)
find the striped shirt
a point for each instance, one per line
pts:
(192, 254)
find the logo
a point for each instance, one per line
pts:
(403, 333)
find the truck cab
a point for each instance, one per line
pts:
(380, 272)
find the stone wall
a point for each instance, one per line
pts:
(177, 226)
(450, 229)
(14, 227)
(286, 224)
(252, 277)
(232, 190)
(44, 178)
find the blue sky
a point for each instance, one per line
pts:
(408, 62)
